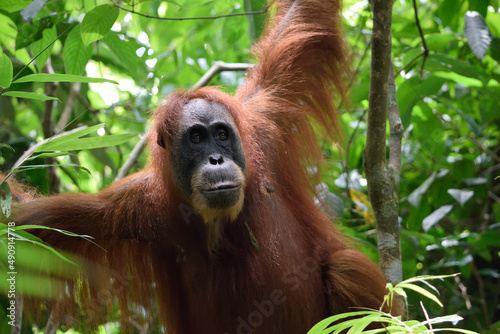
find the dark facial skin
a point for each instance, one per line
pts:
(207, 156)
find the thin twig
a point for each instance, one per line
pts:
(132, 158)
(74, 91)
(48, 129)
(408, 65)
(424, 44)
(193, 18)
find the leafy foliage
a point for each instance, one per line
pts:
(448, 100)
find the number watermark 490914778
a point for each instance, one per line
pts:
(11, 273)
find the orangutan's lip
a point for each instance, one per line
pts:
(223, 187)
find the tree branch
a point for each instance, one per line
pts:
(74, 91)
(383, 178)
(48, 130)
(218, 67)
(132, 158)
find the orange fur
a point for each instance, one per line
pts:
(279, 266)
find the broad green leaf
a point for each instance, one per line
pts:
(31, 32)
(6, 71)
(51, 249)
(463, 80)
(98, 22)
(407, 98)
(493, 21)
(416, 195)
(428, 129)
(75, 54)
(439, 41)
(46, 77)
(255, 22)
(124, 51)
(29, 13)
(480, 6)
(436, 216)
(30, 95)
(49, 35)
(90, 143)
(471, 123)
(477, 33)
(444, 63)
(431, 85)
(461, 261)
(67, 137)
(14, 5)
(495, 48)
(450, 12)
(232, 30)
(461, 196)
(9, 33)
(7, 146)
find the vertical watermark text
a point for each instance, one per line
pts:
(11, 273)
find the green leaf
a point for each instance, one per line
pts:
(6, 71)
(52, 250)
(416, 196)
(407, 98)
(436, 216)
(463, 80)
(477, 33)
(46, 77)
(67, 137)
(90, 143)
(14, 5)
(98, 22)
(30, 95)
(461, 196)
(440, 62)
(29, 13)
(49, 35)
(31, 167)
(421, 291)
(233, 30)
(29, 33)
(47, 155)
(124, 51)
(480, 6)
(2, 145)
(471, 123)
(493, 21)
(75, 54)
(257, 22)
(431, 85)
(439, 41)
